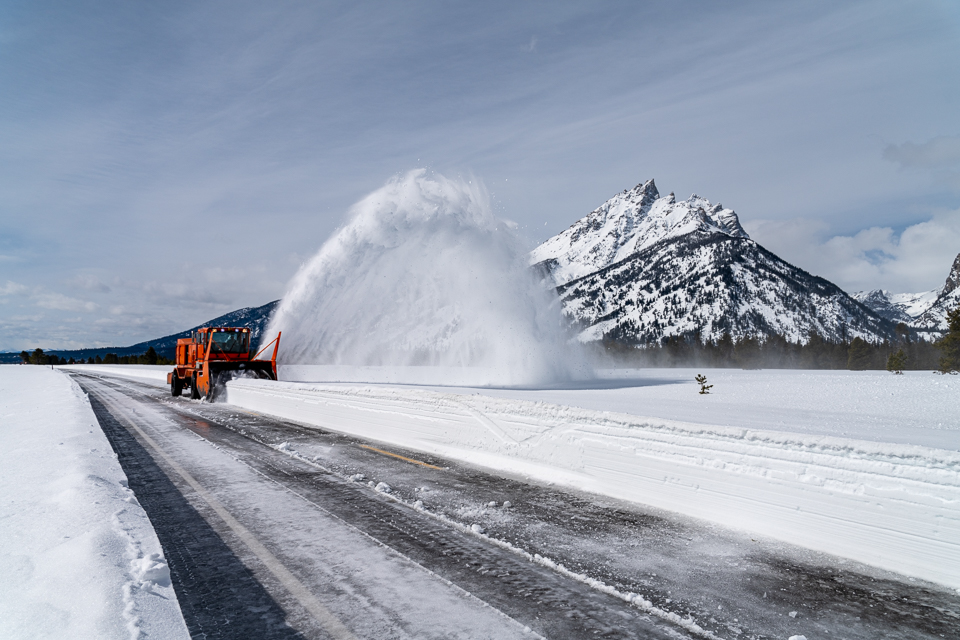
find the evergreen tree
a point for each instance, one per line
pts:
(950, 344)
(150, 356)
(25, 357)
(859, 355)
(896, 362)
(90, 360)
(38, 357)
(111, 358)
(747, 353)
(99, 360)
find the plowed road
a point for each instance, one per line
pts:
(271, 532)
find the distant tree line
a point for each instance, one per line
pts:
(906, 352)
(149, 357)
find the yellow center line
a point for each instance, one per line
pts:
(405, 458)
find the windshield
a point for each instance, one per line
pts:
(228, 342)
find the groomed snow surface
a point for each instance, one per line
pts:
(78, 555)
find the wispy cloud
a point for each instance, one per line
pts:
(59, 301)
(89, 283)
(12, 288)
(913, 260)
(936, 153)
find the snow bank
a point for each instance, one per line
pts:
(915, 408)
(894, 506)
(78, 555)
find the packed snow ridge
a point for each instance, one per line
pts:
(79, 557)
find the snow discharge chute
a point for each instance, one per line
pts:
(423, 273)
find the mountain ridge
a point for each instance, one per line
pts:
(925, 312)
(642, 268)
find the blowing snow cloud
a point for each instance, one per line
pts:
(423, 273)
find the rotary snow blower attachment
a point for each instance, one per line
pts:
(213, 355)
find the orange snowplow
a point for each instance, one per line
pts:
(213, 355)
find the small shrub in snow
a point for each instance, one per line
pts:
(702, 381)
(383, 487)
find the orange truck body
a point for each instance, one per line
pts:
(213, 355)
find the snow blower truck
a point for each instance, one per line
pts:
(213, 355)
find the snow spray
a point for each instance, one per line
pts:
(423, 274)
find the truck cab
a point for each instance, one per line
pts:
(213, 355)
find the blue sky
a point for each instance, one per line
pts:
(162, 163)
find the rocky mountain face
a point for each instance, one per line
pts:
(641, 268)
(926, 312)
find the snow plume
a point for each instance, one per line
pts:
(423, 273)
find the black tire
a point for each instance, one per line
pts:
(176, 386)
(194, 391)
(218, 385)
(212, 390)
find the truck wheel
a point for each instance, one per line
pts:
(218, 385)
(194, 391)
(176, 385)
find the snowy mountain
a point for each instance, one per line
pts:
(926, 312)
(626, 224)
(253, 318)
(897, 307)
(642, 267)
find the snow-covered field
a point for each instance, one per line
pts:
(78, 556)
(766, 452)
(864, 465)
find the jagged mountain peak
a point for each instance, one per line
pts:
(953, 278)
(925, 311)
(641, 268)
(627, 223)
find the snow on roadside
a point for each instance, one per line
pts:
(151, 373)
(78, 555)
(894, 506)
